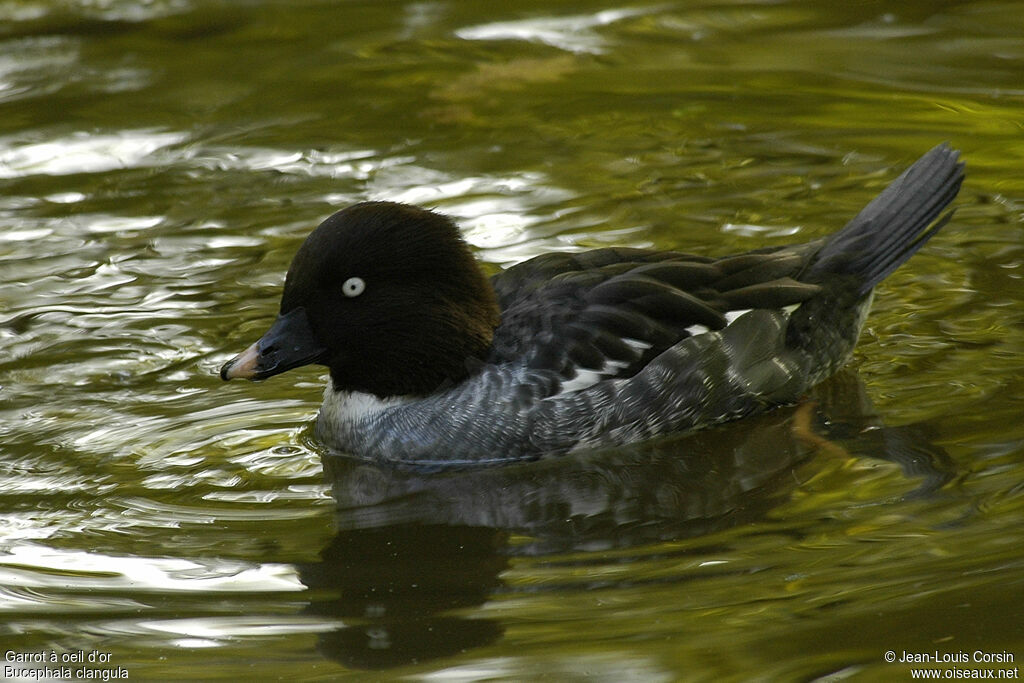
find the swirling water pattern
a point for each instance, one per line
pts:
(161, 161)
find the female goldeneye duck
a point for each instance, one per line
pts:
(432, 362)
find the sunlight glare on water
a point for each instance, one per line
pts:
(162, 161)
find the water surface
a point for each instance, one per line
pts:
(160, 162)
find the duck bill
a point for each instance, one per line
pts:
(289, 343)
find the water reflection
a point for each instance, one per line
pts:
(397, 585)
(415, 548)
(152, 202)
(85, 153)
(569, 33)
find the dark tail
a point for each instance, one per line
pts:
(896, 223)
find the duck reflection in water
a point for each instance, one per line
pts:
(417, 550)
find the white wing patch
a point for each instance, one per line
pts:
(587, 378)
(731, 316)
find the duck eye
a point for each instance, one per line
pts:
(353, 287)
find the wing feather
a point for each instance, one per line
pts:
(579, 319)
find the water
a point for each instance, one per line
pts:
(160, 163)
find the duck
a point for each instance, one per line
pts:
(431, 362)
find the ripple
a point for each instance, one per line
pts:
(572, 33)
(84, 153)
(152, 204)
(211, 631)
(26, 61)
(503, 216)
(35, 566)
(619, 665)
(106, 10)
(359, 163)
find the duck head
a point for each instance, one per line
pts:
(387, 296)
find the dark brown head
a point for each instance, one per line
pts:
(388, 296)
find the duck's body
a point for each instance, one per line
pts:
(431, 363)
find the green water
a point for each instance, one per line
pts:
(161, 161)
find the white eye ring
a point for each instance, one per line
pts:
(353, 287)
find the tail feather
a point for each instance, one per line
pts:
(896, 223)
